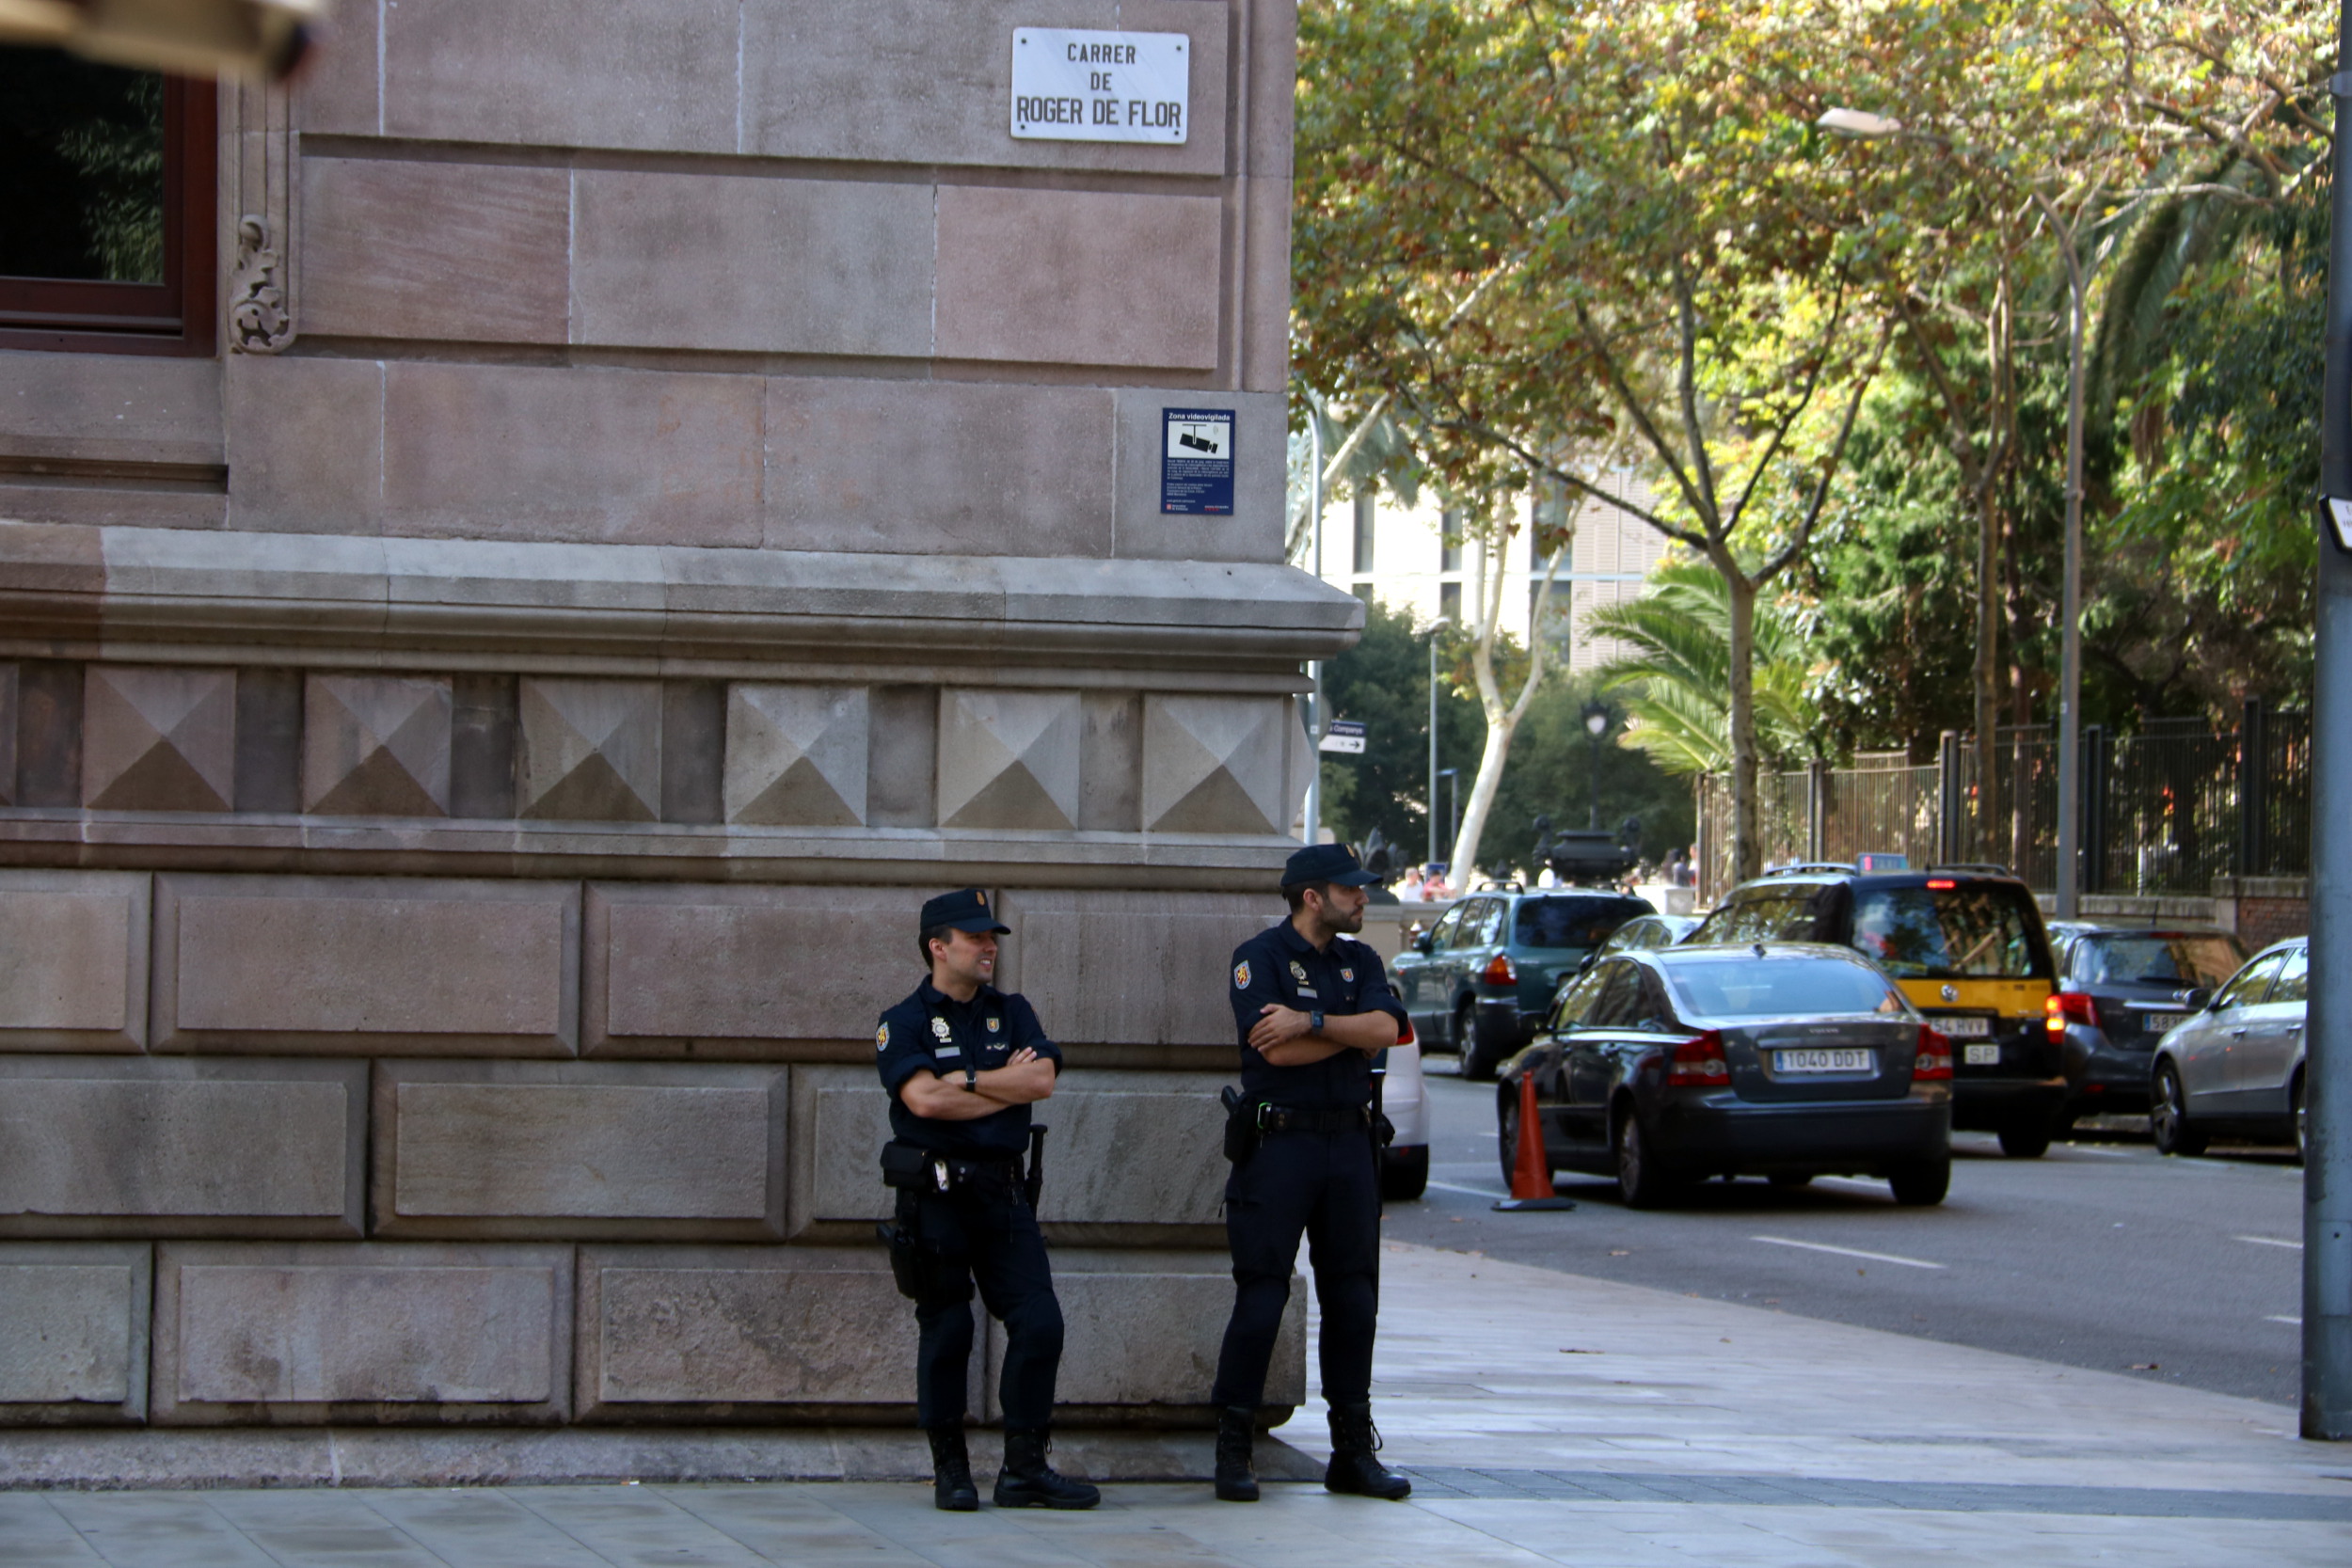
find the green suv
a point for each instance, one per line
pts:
(1482, 981)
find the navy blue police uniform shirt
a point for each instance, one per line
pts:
(931, 1029)
(1279, 966)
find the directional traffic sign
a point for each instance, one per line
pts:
(1345, 734)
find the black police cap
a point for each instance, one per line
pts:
(1327, 862)
(965, 909)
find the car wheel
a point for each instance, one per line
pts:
(2027, 1138)
(2302, 1115)
(1639, 1181)
(1479, 1058)
(1790, 1178)
(1404, 1173)
(1921, 1184)
(2168, 1116)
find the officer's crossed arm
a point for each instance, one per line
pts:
(1025, 1079)
(1286, 1037)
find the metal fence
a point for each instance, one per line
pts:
(2166, 809)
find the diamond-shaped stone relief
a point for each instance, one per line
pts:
(796, 756)
(588, 750)
(376, 746)
(1215, 765)
(1009, 759)
(158, 739)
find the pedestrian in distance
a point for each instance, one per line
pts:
(962, 1063)
(1311, 1008)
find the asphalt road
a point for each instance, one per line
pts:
(2101, 1254)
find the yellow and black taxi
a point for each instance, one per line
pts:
(1967, 947)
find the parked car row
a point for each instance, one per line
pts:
(1824, 1020)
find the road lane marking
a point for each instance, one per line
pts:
(2292, 1323)
(1474, 1192)
(1847, 1252)
(2270, 1240)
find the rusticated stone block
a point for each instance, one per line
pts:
(94, 1145)
(446, 251)
(1079, 278)
(1214, 765)
(306, 443)
(705, 1334)
(1148, 1143)
(411, 966)
(158, 739)
(796, 755)
(752, 264)
(590, 749)
(570, 1149)
(999, 470)
(651, 74)
(1131, 968)
(704, 971)
(75, 1348)
(377, 746)
(618, 456)
(1143, 1328)
(1009, 759)
(75, 978)
(307, 1335)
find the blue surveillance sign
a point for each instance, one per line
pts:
(1196, 461)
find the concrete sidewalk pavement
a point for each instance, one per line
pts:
(1546, 1418)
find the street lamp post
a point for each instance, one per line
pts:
(1864, 126)
(1596, 717)
(1314, 668)
(1440, 624)
(1453, 777)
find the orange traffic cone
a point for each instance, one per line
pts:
(1531, 1170)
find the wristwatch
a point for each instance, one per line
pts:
(1314, 1021)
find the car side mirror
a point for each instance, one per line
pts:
(1420, 945)
(2197, 998)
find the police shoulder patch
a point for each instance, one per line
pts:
(881, 1037)
(994, 1024)
(1347, 973)
(1241, 975)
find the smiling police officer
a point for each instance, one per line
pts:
(962, 1063)
(1312, 1009)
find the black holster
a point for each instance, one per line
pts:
(922, 1271)
(1240, 1124)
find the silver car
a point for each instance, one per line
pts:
(2234, 1066)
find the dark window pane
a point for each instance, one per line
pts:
(2247, 989)
(1974, 929)
(2294, 983)
(1779, 988)
(81, 170)
(2176, 960)
(1572, 921)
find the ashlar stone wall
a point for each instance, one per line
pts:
(469, 761)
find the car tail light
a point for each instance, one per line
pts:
(1941, 884)
(2060, 1008)
(1698, 1063)
(1934, 1062)
(1500, 971)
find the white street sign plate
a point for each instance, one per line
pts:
(1075, 83)
(1345, 734)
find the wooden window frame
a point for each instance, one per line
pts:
(174, 317)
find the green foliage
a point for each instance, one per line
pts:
(1676, 677)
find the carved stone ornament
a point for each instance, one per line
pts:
(258, 321)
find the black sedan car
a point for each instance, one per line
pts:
(1788, 1060)
(2119, 989)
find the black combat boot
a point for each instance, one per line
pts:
(951, 1472)
(1027, 1482)
(1352, 1469)
(1236, 1482)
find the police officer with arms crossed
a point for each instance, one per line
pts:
(962, 1063)
(1312, 1009)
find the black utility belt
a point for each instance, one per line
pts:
(1289, 1118)
(911, 1167)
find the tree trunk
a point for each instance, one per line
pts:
(1988, 676)
(1499, 729)
(1747, 845)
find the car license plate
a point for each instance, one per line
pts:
(1981, 1056)
(1953, 1028)
(1824, 1061)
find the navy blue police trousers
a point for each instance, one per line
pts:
(984, 1232)
(1324, 1186)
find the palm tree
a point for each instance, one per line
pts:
(1678, 676)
